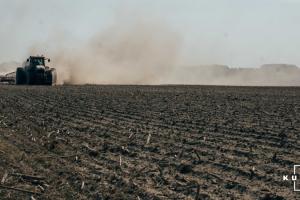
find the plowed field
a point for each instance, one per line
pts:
(148, 142)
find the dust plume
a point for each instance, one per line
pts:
(265, 75)
(141, 51)
(8, 67)
(128, 52)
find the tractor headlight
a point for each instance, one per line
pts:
(40, 68)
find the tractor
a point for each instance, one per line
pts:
(35, 72)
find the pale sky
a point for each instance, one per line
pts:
(239, 33)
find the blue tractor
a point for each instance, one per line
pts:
(35, 72)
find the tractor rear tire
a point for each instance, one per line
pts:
(20, 76)
(51, 77)
(54, 76)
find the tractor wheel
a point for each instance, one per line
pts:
(20, 76)
(51, 77)
(54, 76)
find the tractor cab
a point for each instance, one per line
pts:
(34, 62)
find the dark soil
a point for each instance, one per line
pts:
(148, 142)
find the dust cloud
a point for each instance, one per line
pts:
(142, 51)
(265, 75)
(148, 52)
(8, 67)
(128, 52)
